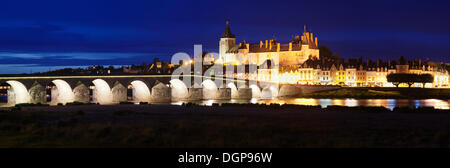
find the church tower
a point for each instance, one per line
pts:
(227, 41)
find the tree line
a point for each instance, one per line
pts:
(410, 79)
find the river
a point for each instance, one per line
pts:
(387, 103)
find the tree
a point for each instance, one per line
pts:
(144, 64)
(335, 57)
(409, 79)
(425, 78)
(155, 60)
(325, 52)
(394, 79)
(402, 60)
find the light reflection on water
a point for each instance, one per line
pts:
(387, 103)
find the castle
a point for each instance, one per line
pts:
(295, 53)
(299, 63)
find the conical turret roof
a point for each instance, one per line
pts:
(227, 33)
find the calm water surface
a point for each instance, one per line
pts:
(387, 103)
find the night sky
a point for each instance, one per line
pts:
(42, 35)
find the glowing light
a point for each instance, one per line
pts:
(209, 89)
(351, 102)
(234, 91)
(64, 92)
(269, 93)
(209, 102)
(19, 93)
(178, 103)
(141, 93)
(256, 93)
(289, 78)
(102, 92)
(179, 89)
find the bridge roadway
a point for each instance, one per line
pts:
(145, 88)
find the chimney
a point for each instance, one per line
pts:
(270, 45)
(260, 44)
(290, 46)
(278, 47)
(266, 43)
(317, 45)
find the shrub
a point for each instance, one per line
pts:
(125, 102)
(189, 104)
(75, 103)
(30, 104)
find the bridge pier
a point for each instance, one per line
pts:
(113, 89)
(11, 97)
(161, 93)
(244, 93)
(289, 91)
(119, 93)
(195, 94)
(54, 93)
(223, 94)
(81, 93)
(37, 94)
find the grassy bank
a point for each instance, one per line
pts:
(225, 126)
(382, 93)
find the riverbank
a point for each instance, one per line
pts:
(229, 125)
(382, 93)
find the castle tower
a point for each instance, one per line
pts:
(227, 41)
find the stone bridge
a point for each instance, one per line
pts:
(144, 88)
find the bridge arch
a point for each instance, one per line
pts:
(141, 92)
(209, 89)
(18, 93)
(62, 93)
(289, 90)
(102, 92)
(234, 90)
(256, 92)
(179, 89)
(269, 92)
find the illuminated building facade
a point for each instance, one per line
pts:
(362, 74)
(300, 49)
(299, 63)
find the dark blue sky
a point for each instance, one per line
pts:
(72, 33)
